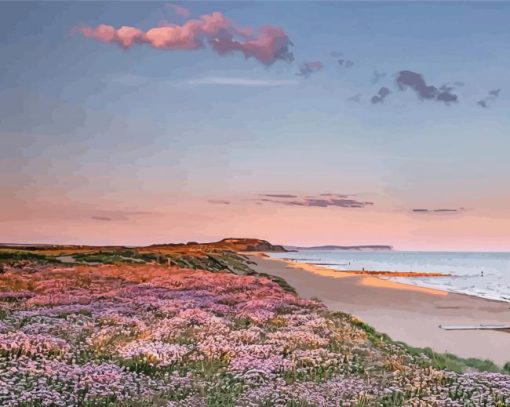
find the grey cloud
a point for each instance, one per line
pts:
(492, 95)
(279, 195)
(437, 211)
(381, 95)
(218, 202)
(322, 201)
(346, 63)
(337, 195)
(102, 218)
(446, 88)
(306, 69)
(284, 53)
(416, 81)
(343, 62)
(117, 215)
(447, 97)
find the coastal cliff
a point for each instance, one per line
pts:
(334, 247)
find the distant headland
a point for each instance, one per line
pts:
(334, 247)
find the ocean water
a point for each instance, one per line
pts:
(466, 268)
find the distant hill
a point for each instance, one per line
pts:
(333, 247)
(234, 244)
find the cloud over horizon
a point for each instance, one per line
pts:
(438, 211)
(279, 195)
(322, 201)
(117, 215)
(271, 44)
(102, 218)
(219, 202)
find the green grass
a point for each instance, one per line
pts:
(107, 257)
(225, 391)
(377, 338)
(443, 361)
(448, 361)
(280, 281)
(8, 256)
(241, 323)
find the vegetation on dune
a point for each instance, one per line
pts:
(438, 360)
(7, 255)
(150, 327)
(214, 257)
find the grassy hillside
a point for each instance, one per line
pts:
(216, 256)
(140, 332)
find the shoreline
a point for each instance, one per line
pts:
(380, 275)
(409, 274)
(407, 313)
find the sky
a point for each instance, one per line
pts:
(303, 123)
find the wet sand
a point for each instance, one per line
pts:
(406, 313)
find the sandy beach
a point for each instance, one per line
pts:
(406, 313)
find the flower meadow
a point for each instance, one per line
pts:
(151, 335)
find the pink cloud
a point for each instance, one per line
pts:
(179, 10)
(271, 43)
(125, 36)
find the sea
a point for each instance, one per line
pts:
(482, 274)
